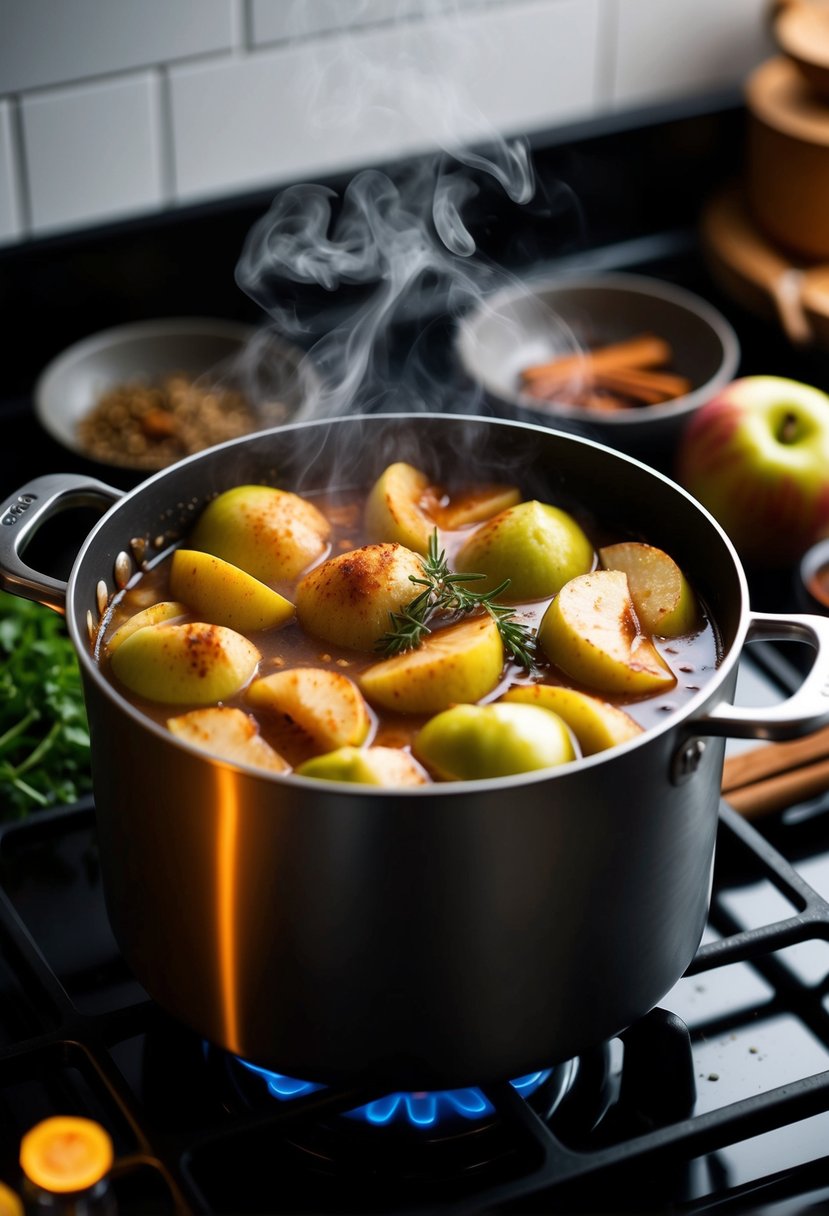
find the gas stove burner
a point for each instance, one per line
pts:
(446, 1135)
(423, 1109)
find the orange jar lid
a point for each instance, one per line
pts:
(66, 1153)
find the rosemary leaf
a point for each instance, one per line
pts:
(445, 594)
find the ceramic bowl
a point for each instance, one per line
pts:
(539, 321)
(214, 354)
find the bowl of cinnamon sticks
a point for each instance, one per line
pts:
(624, 359)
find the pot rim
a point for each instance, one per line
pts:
(673, 720)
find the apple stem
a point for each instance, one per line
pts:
(788, 429)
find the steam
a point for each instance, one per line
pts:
(390, 251)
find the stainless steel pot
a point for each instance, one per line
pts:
(437, 937)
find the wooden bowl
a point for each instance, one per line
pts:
(787, 162)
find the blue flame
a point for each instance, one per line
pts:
(421, 1109)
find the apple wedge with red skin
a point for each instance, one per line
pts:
(757, 457)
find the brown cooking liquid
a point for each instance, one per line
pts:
(692, 658)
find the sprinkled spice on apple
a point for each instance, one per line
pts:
(498, 646)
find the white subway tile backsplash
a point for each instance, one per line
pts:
(92, 152)
(10, 220)
(47, 42)
(304, 18)
(669, 49)
(381, 93)
(121, 106)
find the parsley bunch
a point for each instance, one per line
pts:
(44, 739)
(445, 594)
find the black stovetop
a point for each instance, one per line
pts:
(717, 1101)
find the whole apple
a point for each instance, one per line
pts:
(757, 456)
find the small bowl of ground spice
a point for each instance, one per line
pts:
(145, 395)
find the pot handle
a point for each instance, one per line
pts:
(805, 710)
(24, 512)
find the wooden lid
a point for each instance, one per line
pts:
(778, 95)
(802, 33)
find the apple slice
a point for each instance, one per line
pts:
(393, 509)
(661, 594)
(389, 766)
(347, 600)
(165, 610)
(460, 663)
(195, 663)
(325, 704)
(229, 734)
(272, 534)
(536, 546)
(471, 742)
(475, 505)
(596, 724)
(221, 593)
(590, 632)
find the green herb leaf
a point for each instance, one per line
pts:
(44, 737)
(446, 594)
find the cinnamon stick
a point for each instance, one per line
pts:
(770, 778)
(639, 387)
(644, 385)
(643, 350)
(777, 793)
(772, 758)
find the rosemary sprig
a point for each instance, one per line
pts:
(445, 594)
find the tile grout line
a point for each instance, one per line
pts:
(163, 118)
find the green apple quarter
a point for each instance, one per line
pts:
(195, 663)
(597, 724)
(272, 534)
(387, 766)
(155, 614)
(394, 510)
(590, 632)
(220, 592)
(459, 663)
(478, 742)
(536, 546)
(325, 704)
(662, 596)
(229, 734)
(347, 600)
(757, 457)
